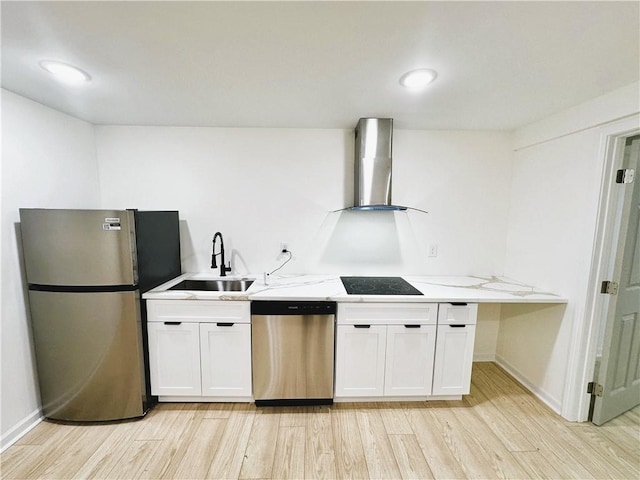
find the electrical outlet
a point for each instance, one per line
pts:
(433, 250)
(284, 254)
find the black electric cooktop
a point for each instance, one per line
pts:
(378, 286)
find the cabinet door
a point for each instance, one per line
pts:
(174, 358)
(226, 359)
(360, 353)
(409, 359)
(453, 359)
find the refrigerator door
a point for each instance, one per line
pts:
(89, 355)
(79, 247)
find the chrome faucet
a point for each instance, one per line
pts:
(223, 269)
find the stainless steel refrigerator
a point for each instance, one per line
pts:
(86, 270)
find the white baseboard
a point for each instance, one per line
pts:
(21, 429)
(196, 399)
(421, 398)
(550, 402)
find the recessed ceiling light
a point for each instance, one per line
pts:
(65, 73)
(418, 79)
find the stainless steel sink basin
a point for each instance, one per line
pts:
(240, 285)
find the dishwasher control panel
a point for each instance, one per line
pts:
(267, 307)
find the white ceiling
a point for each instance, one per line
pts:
(501, 65)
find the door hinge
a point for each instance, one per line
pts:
(610, 288)
(594, 388)
(625, 175)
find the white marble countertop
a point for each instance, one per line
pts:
(472, 289)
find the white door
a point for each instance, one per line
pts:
(619, 371)
(360, 353)
(174, 358)
(409, 359)
(226, 359)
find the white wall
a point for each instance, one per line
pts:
(48, 160)
(257, 186)
(487, 329)
(557, 175)
(261, 187)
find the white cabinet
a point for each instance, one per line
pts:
(360, 360)
(385, 349)
(199, 349)
(174, 358)
(454, 349)
(409, 359)
(225, 351)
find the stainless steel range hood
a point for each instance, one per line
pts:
(372, 182)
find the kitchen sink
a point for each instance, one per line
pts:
(239, 285)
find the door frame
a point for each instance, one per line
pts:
(612, 144)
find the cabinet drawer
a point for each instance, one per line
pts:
(387, 313)
(455, 314)
(200, 311)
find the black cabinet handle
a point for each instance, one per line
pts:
(224, 324)
(457, 326)
(362, 326)
(173, 323)
(459, 304)
(412, 326)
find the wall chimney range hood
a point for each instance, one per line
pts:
(373, 162)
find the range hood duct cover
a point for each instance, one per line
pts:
(373, 162)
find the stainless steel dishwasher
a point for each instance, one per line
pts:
(292, 352)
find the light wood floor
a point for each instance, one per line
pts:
(499, 431)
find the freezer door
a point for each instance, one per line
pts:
(78, 247)
(89, 355)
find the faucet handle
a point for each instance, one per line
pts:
(224, 270)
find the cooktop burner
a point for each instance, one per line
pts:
(378, 286)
